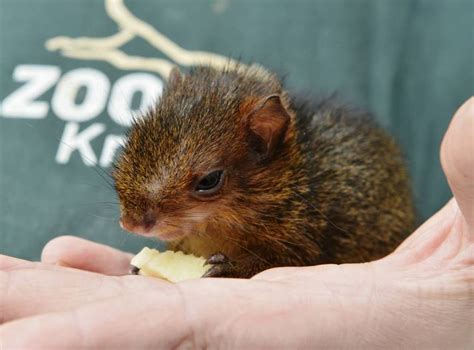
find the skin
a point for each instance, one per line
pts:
(420, 296)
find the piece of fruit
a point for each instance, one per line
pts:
(169, 265)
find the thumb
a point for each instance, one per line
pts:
(457, 159)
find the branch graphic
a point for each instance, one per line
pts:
(108, 48)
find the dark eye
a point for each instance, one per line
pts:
(211, 183)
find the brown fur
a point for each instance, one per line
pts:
(334, 190)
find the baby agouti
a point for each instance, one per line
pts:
(228, 166)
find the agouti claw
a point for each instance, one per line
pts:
(221, 266)
(134, 270)
(217, 258)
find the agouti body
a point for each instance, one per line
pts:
(228, 167)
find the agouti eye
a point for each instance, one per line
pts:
(211, 183)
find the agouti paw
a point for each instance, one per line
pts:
(221, 266)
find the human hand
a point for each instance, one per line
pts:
(420, 296)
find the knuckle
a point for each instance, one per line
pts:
(53, 250)
(4, 290)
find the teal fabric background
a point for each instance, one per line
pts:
(408, 61)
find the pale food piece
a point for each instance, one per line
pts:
(169, 265)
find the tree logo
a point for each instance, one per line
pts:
(130, 27)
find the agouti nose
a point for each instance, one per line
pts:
(149, 220)
(142, 225)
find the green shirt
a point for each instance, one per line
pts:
(65, 103)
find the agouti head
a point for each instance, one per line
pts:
(212, 145)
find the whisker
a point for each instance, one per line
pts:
(104, 175)
(103, 217)
(111, 205)
(123, 241)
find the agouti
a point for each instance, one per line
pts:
(228, 166)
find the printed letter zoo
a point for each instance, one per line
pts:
(79, 96)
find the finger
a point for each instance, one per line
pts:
(33, 290)
(133, 321)
(457, 159)
(9, 263)
(86, 255)
(28, 288)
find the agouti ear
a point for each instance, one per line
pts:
(268, 123)
(175, 77)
